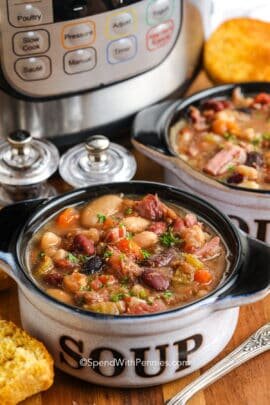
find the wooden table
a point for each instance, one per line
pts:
(247, 385)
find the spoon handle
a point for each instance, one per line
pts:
(256, 344)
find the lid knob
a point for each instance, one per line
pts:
(97, 147)
(20, 140)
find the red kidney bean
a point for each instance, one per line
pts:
(83, 245)
(155, 280)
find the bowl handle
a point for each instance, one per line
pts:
(12, 219)
(148, 127)
(253, 281)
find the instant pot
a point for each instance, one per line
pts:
(71, 67)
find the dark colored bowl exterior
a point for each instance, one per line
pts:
(152, 126)
(250, 270)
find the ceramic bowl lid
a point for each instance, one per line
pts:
(97, 161)
(25, 161)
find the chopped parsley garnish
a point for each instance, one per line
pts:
(229, 137)
(146, 254)
(266, 136)
(117, 297)
(72, 258)
(101, 218)
(125, 281)
(83, 258)
(257, 141)
(107, 254)
(167, 294)
(128, 211)
(168, 239)
(231, 168)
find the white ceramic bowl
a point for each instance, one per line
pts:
(132, 351)
(249, 209)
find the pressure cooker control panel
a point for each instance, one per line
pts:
(54, 47)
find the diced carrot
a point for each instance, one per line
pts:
(96, 284)
(130, 247)
(203, 276)
(115, 262)
(109, 223)
(68, 217)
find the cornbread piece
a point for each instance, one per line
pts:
(5, 281)
(239, 51)
(26, 367)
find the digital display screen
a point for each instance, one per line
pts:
(73, 9)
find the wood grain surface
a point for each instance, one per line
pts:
(247, 385)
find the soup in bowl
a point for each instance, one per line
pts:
(127, 255)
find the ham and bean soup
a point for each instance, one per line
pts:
(228, 139)
(127, 255)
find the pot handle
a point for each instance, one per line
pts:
(12, 219)
(149, 124)
(253, 282)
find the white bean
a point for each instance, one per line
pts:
(60, 295)
(249, 172)
(50, 239)
(106, 205)
(60, 254)
(146, 239)
(135, 224)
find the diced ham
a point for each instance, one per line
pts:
(179, 226)
(137, 306)
(190, 220)
(54, 279)
(198, 120)
(115, 234)
(150, 207)
(158, 227)
(219, 163)
(210, 249)
(162, 259)
(216, 105)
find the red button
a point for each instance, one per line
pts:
(160, 35)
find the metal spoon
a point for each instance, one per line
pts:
(258, 343)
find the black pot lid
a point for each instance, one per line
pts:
(97, 161)
(25, 161)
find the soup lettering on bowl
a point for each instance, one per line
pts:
(125, 255)
(228, 139)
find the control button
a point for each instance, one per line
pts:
(78, 35)
(33, 68)
(26, 15)
(160, 36)
(122, 50)
(31, 42)
(159, 11)
(121, 24)
(81, 60)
